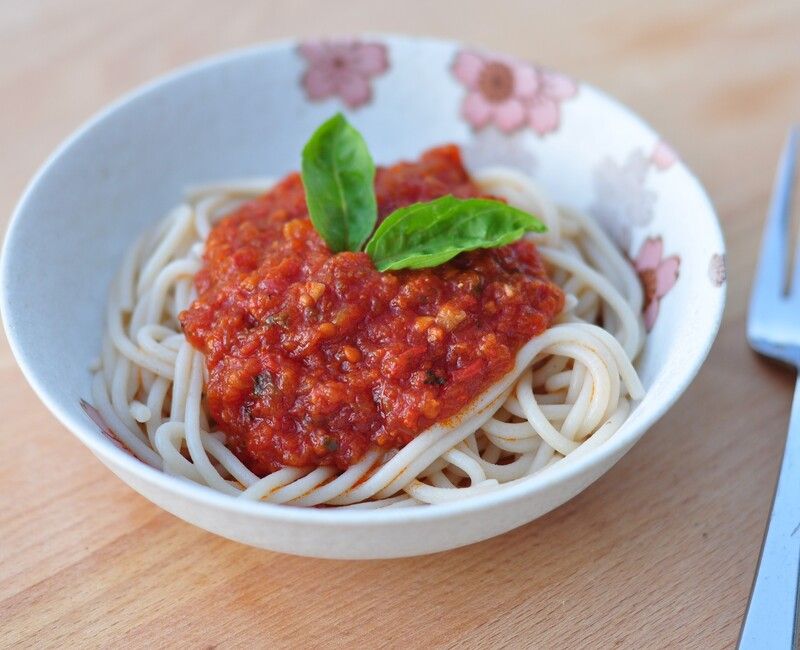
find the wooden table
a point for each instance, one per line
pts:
(660, 552)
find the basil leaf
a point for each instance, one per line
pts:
(338, 176)
(429, 234)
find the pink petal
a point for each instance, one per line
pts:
(354, 89)
(663, 156)
(667, 275)
(467, 68)
(543, 115)
(649, 254)
(716, 270)
(476, 110)
(370, 58)
(510, 115)
(526, 81)
(315, 51)
(319, 83)
(558, 86)
(650, 314)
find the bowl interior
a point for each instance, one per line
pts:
(249, 114)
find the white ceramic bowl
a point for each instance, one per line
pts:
(248, 114)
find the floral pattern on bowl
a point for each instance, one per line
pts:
(658, 275)
(622, 201)
(343, 69)
(717, 270)
(510, 94)
(663, 156)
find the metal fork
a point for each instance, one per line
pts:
(773, 329)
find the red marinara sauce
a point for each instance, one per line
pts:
(314, 357)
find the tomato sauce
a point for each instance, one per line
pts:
(314, 357)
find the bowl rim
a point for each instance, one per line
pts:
(106, 451)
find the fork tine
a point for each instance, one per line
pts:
(770, 279)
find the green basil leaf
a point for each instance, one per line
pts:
(429, 234)
(338, 176)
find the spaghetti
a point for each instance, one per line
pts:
(570, 389)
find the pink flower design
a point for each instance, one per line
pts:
(510, 94)
(717, 270)
(663, 156)
(545, 111)
(99, 420)
(621, 199)
(342, 68)
(658, 276)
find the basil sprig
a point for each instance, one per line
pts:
(339, 175)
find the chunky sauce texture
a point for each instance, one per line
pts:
(314, 357)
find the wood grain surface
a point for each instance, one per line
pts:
(659, 553)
